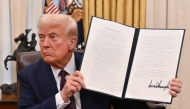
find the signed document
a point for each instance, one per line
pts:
(131, 63)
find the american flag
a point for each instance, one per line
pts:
(52, 9)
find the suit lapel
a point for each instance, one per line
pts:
(46, 80)
(78, 60)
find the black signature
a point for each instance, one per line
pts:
(158, 85)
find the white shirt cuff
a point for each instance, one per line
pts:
(60, 104)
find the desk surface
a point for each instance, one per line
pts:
(8, 102)
(9, 98)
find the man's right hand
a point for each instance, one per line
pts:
(74, 83)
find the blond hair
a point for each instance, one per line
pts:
(69, 24)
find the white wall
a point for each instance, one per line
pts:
(5, 42)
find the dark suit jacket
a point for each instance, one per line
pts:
(38, 89)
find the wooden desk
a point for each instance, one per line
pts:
(8, 102)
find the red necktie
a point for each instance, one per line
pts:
(72, 105)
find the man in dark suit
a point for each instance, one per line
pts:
(40, 82)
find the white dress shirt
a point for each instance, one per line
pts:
(69, 68)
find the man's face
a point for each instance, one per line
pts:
(56, 47)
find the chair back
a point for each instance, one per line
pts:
(24, 59)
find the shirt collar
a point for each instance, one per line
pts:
(69, 68)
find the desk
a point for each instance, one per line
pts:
(8, 102)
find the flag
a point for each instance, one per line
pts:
(52, 9)
(80, 43)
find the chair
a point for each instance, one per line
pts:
(24, 59)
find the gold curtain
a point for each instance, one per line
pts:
(129, 12)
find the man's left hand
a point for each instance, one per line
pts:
(175, 87)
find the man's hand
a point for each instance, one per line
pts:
(74, 83)
(175, 87)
